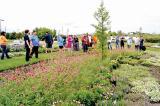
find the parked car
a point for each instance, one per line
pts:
(16, 45)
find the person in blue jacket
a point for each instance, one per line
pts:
(60, 41)
(35, 44)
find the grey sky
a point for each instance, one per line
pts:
(77, 15)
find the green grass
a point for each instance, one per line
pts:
(153, 49)
(140, 79)
(72, 79)
(14, 62)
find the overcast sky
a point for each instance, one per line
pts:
(77, 15)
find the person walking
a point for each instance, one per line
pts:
(129, 42)
(137, 42)
(122, 42)
(64, 40)
(141, 47)
(35, 43)
(3, 43)
(109, 43)
(60, 41)
(76, 43)
(89, 40)
(69, 42)
(27, 45)
(85, 43)
(49, 42)
(94, 41)
(117, 42)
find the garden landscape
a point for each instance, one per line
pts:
(104, 75)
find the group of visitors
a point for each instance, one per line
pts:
(72, 42)
(121, 40)
(31, 44)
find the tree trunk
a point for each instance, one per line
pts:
(102, 51)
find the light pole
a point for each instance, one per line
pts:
(0, 24)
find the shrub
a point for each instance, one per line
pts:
(86, 97)
(152, 38)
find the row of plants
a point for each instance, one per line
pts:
(109, 92)
(14, 52)
(140, 83)
(95, 82)
(92, 85)
(152, 38)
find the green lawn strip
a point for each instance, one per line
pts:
(14, 62)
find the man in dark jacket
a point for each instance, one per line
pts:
(27, 44)
(49, 41)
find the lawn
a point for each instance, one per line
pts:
(14, 62)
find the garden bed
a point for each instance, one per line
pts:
(82, 79)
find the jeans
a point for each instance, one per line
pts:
(76, 46)
(4, 51)
(27, 53)
(35, 50)
(109, 46)
(129, 46)
(137, 47)
(85, 47)
(117, 44)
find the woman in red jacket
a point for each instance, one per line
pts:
(85, 43)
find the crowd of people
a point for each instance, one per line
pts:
(121, 40)
(32, 43)
(70, 42)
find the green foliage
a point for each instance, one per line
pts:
(112, 33)
(140, 80)
(102, 17)
(42, 31)
(86, 82)
(149, 86)
(19, 35)
(86, 97)
(152, 38)
(8, 35)
(13, 35)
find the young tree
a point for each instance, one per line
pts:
(42, 31)
(19, 35)
(13, 35)
(103, 25)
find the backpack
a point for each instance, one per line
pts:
(144, 48)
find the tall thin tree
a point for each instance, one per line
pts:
(102, 26)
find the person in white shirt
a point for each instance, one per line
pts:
(110, 43)
(90, 40)
(129, 42)
(137, 43)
